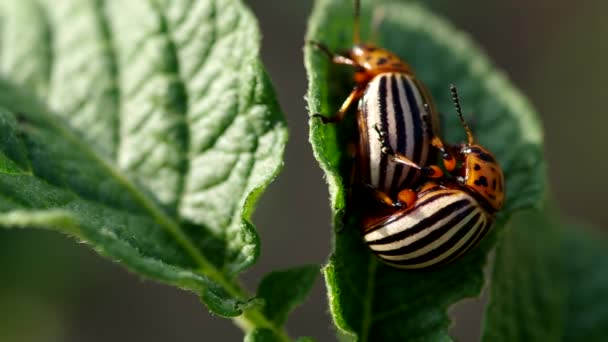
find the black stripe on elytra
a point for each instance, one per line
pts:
(484, 230)
(479, 235)
(440, 250)
(422, 224)
(418, 128)
(432, 236)
(432, 197)
(384, 126)
(401, 134)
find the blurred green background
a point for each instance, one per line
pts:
(54, 289)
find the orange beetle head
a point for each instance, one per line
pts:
(374, 60)
(482, 174)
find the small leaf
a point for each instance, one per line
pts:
(154, 132)
(282, 291)
(369, 300)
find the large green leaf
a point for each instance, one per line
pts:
(154, 132)
(368, 299)
(527, 287)
(584, 256)
(549, 282)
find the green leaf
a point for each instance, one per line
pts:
(282, 291)
(369, 299)
(153, 134)
(548, 282)
(527, 291)
(584, 254)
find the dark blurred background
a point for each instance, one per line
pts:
(53, 289)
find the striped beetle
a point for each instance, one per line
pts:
(388, 93)
(447, 215)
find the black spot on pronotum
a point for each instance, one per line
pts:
(381, 61)
(396, 65)
(481, 181)
(486, 157)
(494, 184)
(482, 155)
(477, 167)
(367, 58)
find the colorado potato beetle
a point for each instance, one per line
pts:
(388, 94)
(447, 215)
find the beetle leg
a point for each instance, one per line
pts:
(382, 197)
(386, 147)
(432, 171)
(407, 197)
(353, 97)
(448, 159)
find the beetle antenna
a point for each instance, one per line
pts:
(356, 29)
(459, 111)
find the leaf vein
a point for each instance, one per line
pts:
(113, 72)
(183, 97)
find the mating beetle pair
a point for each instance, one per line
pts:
(433, 216)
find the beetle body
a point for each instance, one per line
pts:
(440, 226)
(395, 102)
(445, 217)
(386, 93)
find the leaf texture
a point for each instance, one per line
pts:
(154, 131)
